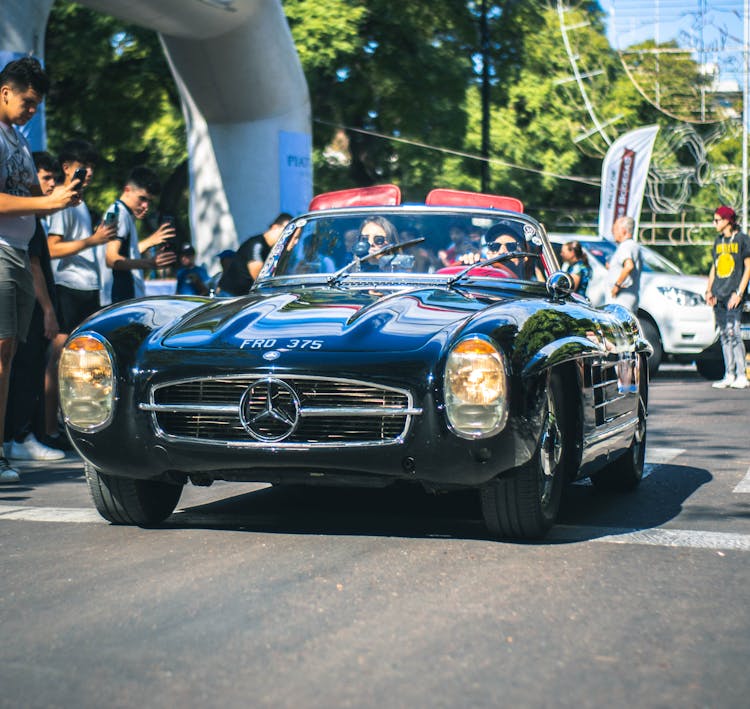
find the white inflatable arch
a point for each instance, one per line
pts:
(244, 98)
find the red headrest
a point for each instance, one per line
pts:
(375, 196)
(460, 198)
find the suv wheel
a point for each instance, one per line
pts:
(652, 335)
(710, 368)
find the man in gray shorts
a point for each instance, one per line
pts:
(23, 84)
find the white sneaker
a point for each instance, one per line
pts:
(725, 383)
(740, 383)
(31, 449)
(7, 474)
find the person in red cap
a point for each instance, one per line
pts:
(727, 288)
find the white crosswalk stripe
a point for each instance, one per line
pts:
(744, 484)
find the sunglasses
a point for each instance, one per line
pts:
(377, 239)
(496, 246)
(718, 219)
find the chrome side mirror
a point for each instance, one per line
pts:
(559, 285)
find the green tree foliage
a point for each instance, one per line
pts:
(396, 97)
(403, 70)
(111, 85)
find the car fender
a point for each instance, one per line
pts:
(127, 325)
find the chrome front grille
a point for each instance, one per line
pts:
(240, 411)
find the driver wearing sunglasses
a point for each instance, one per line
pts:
(505, 238)
(374, 234)
(505, 243)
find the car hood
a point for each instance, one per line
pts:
(325, 318)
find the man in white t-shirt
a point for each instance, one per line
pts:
(23, 84)
(125, 257)
(625, 266)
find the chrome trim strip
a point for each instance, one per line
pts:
(354, 411)
(609, 402)
(308, 411)
(601, 385)
(399, 440)
(191, 408)
(595, 438)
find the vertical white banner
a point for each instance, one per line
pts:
(295, 171)
(624, 174)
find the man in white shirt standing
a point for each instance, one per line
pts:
(125, 256)
(625, 266)
(23, 84)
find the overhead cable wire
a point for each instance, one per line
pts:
(592, 181)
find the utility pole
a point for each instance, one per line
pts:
(484, 40)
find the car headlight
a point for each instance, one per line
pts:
(680, 296)
(87, 383)
(476, 389)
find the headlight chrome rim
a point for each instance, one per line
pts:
(106, 348)
(495, 411)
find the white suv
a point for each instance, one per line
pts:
(672, 311)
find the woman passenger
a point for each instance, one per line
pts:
(576, 265)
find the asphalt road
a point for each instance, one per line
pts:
(258, 597)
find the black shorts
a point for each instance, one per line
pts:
(16, 293)
(74, 306)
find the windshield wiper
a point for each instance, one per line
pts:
(490, 261)
(336, 277)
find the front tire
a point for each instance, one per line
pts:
(525, 503)
(144, 503)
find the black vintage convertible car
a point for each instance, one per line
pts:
(436, 344)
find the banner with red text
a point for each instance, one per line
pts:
(624, 175)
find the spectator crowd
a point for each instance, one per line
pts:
(59, 264)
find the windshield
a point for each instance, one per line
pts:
(352, 243)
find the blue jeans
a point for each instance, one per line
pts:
(732, 347)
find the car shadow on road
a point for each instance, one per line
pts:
(408, 511)
(659, 499)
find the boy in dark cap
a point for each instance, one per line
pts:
(191, 279)
(726, 291)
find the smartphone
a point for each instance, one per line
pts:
(80, 175)
(168, 219)
(110, 219)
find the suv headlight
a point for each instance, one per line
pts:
(680, 296)
(476, 388)
(87, 383)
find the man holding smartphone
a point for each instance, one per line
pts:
(124, 260)
(23, 84)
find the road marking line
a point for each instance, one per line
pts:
(744, 484)
(50, 514)
(682, 538)
(658, 455)
(685, 538)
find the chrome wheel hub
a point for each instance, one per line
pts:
(551, 452)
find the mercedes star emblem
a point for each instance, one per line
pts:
(269, 410)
